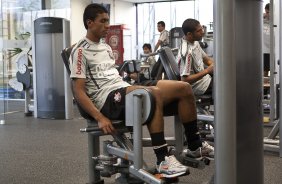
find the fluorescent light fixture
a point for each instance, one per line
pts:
(13, 8)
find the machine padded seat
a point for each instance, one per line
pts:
(204, 99)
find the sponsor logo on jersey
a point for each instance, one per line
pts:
(79, 61)
(117, 97)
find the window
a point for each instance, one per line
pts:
(16, 19)
(173, 14)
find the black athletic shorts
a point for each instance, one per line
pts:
(114, 107)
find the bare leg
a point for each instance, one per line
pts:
(182, 92)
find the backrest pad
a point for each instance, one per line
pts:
(168, 61)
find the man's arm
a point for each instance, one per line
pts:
(133, 76)
(195, 77)
(163, 38)
(157, 45)
(208, 61)
(85, 102)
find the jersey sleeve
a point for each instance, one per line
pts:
(201, 50)
(78, 63)
(203, 53)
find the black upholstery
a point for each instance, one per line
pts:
(66, 55)
(168, 61)
(157, 70)
(204, 100)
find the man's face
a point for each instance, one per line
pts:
(160, 28)
(100, 26)
(146, 50)
(266, 14)
(198, 34)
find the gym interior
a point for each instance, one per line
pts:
(44, 137)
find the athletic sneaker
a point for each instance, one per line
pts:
(205, 151)
(171, 167)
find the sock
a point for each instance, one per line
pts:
(192, 135)
(159, 146)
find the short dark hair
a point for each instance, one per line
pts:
(189, 25)
(91, 12)
(266, 6)
(161, 23)
(147, 45)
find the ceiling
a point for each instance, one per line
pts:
(145, 1)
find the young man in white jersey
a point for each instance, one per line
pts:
(164, 36)
(100, 91)
(195, 66)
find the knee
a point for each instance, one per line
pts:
(186, 88)
(190, 90)
(156, 92)
(190, 94)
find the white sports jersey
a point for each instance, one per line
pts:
(95, 63)
(164, 37)
(190, 61)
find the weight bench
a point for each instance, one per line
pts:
(119, 155)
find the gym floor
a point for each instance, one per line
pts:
(48, 151)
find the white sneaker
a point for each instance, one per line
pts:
(205, 151)
(171, 167)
